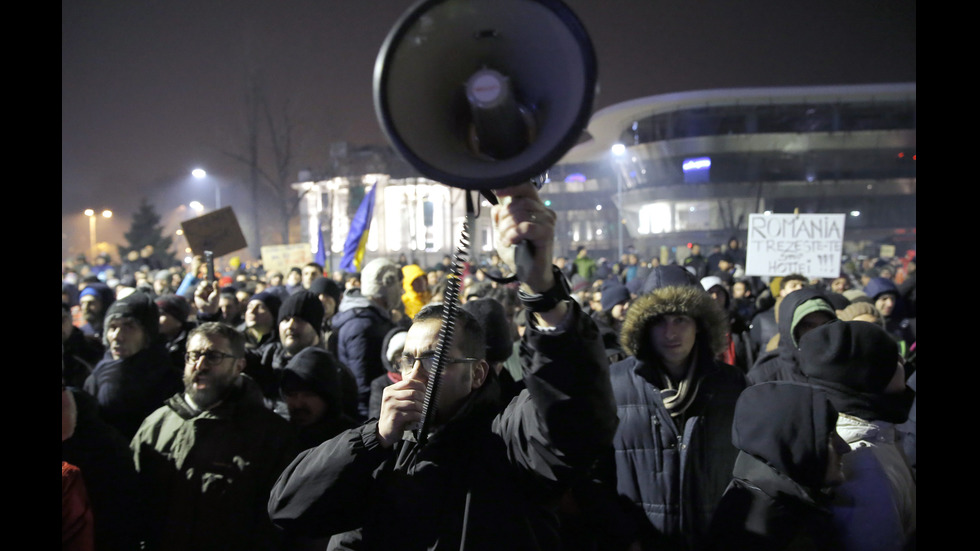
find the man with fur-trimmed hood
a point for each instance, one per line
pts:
(674, 452)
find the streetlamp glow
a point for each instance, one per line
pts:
(200, 174)
(93, 241)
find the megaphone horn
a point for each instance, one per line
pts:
(485, 94)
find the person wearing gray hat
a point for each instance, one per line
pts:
(362, 323)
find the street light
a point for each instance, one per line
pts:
(200, 174)
(619, 150)
(93, 242)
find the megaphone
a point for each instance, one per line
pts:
(485, 94)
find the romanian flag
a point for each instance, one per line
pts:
(357, 237)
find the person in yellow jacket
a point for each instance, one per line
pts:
(416, 286)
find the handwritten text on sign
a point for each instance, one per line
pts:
(782, 244)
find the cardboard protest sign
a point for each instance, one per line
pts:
(782, 244)
(280, 258)
(217, 231)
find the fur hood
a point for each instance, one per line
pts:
(688, 300)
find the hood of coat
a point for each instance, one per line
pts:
(787, 307)
(410, 273)
(688, 300)
(786, 425)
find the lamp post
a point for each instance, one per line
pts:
(93, 241)
(200, 174)
(618, 151)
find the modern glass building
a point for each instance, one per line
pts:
(659, 172)
(656, 173)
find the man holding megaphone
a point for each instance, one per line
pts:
(489, 475)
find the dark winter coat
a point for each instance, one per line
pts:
(130, 389)
(80, 354)
(763, 510)
(265, 364)
(775, 500)
(207, 475)
(676, 474)
(360, 327)
(103, 455)
(491, 477)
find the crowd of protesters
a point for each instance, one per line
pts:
(749, 412)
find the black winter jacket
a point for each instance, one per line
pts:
(492, 478)
(130, 389)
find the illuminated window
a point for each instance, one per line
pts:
(655, 218)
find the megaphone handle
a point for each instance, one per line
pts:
(524, 258)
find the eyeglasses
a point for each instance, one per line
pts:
(407, 362)
(210, 356)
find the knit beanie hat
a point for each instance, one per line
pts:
(141, 308)
(100, 291)
(668, 276)
(305, 306)
(612, 294)
(174, 305)
(861, 308)
(327, 286)
(271, 300)
(378, 276)
(316, 370)
(851, 294)
(490, 313)
(816, 304)
(857, 355)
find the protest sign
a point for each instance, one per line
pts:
(280, 258)
(782, 244)
(217, 231)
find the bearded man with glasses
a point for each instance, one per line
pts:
(209, 456)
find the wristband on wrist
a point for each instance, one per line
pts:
(547, 300)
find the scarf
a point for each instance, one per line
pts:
(678, 398)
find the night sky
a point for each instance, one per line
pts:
(153, 88)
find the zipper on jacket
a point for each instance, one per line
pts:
(658, 442)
